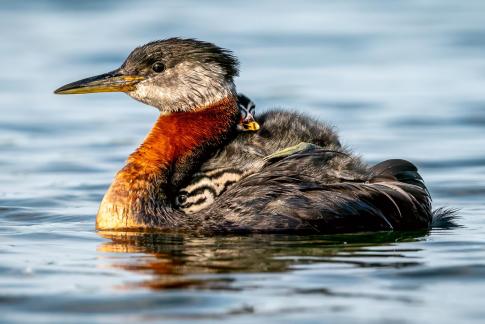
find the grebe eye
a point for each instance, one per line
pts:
(158, 67)
(181, 199)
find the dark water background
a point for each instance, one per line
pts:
(399, 79)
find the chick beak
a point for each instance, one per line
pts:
(248, 124)
(113, 81)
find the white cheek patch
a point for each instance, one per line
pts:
(184, 87)
(147, 94)
(142, 91)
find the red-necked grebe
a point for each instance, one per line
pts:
(317, 187)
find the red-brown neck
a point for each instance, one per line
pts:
(137, 198)
(179, 134)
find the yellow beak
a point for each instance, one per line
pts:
(251, 126)
(109, 82)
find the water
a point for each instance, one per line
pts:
(401, 79)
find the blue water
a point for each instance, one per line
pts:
(398, 79)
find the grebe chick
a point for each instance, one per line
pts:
(247, 108)
(324, 189)
(206, 185)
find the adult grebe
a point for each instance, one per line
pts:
(315, 188)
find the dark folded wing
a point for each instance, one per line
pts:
(323, 192)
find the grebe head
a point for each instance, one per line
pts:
(247, 108)
(173, 75)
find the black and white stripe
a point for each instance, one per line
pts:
(205, 187)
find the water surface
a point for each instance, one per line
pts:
(400, 79)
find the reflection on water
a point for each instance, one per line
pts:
(174, 257)
(246, 265)
(399, 79)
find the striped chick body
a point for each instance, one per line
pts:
(205, 187)
(209, 183)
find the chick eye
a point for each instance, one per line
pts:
(158, 67)
(181, 199)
